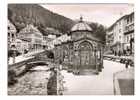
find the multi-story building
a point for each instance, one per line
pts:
(120, 34)
(22, 45)
(129, 33)
(115, 37)
(59, 40)
(11, 34)
(51, 37)
(109, 40)
(32, 34)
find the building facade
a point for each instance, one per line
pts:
(22, 45)
(83, 51)
(109, 41)
(119, 35)
(11, 34)
(129, 33)
(32, 34)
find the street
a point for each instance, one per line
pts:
(35, 82)
(101, 84)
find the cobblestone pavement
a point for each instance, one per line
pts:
(32, 83)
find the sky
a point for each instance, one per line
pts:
(105, 14)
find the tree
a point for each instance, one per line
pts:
(98, 30)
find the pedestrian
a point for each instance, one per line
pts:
(126, 64)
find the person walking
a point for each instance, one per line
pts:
(126, 64)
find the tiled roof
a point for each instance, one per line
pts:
(81, 25)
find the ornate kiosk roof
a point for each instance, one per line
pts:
(81, 26)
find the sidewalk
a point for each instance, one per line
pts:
(124, 82)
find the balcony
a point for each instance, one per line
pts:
(129, 29)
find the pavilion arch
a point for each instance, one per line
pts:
(85, 45)
(86, 55)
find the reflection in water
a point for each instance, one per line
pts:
(40, 80)
(32, 83)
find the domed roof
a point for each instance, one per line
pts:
(81, 25)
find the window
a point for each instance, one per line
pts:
(131, 19)
(12, 35)
(127, 38)
(119, 30)
(8, 28)
(127, 20)
(125, 28)
(8, 34)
